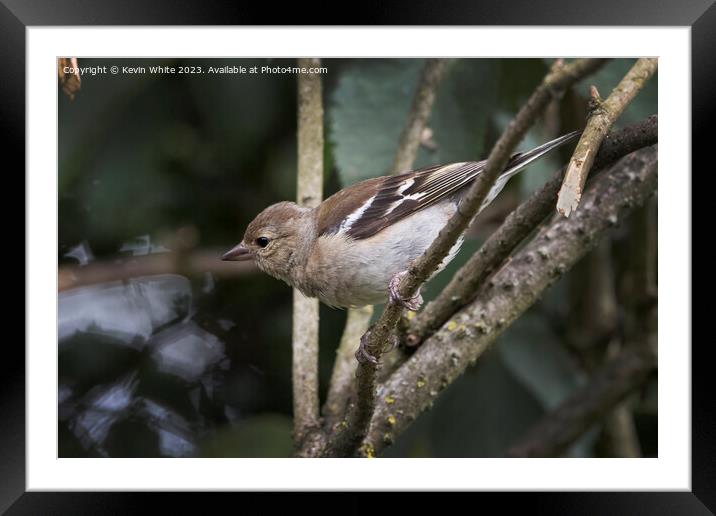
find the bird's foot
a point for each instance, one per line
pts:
(412, 303)
(363, 355)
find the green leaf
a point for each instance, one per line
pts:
(371, 102)
(482, 413)
(462, 109)
(533, 354)
(367, 113)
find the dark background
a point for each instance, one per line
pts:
(166, 351)
(514, 12)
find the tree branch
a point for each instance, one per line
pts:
(515, 287)
(358, 320)
(306, 426)
(592, 333)
(191, 263)
(554, 84)
(563, 426)
(341, 385)
(618, 436)
(430, 79)
(603, 115)
(517, 226)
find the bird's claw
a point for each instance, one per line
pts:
(412, 303)
(363, 355)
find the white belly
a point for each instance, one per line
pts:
(363, 268)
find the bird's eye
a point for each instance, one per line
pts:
(262, 241)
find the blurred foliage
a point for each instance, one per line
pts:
(261, 436)
(176, 365)
(371, 103)
(607, 79)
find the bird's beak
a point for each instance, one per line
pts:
(238, 254)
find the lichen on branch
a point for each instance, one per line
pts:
(516, 227)
(554, 84)
(513, 289)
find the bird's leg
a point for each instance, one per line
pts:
(412, 303)
(363, 355)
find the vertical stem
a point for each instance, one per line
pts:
(423, 100)
(593, 319)
(359, 416)
(344, 368)
(305, 311)
(358, 320)
(618, 437)
(358, 421)
(592, 333)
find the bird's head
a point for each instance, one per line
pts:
(274, 239)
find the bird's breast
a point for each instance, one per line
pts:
(345, 272)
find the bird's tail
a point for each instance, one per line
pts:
(520, 160)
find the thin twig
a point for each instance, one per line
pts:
(194, 263)
(357, 320)
(340, 389)
(515, 287)
(592, 333)
(306, 425)
(592, 323)
(561, 77)
(603, 115)
(618, 437)
(638, 291)
(564, 425)
(430, 79)
(516, 227)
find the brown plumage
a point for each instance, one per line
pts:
(347, 250)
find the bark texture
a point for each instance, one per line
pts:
(513, 289)
(518, 225)
(309, 192)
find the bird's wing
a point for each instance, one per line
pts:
(362, 210)
(391, 198)
(399, 196)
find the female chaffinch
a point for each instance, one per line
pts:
(352, 249)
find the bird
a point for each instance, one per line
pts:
(353, 248)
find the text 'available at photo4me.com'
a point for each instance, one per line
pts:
(131, 69)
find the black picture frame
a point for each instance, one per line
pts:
(17, 15)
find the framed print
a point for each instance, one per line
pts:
(178, 171)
